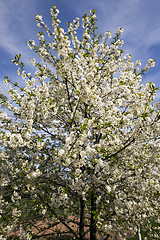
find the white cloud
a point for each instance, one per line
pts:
(15, 22)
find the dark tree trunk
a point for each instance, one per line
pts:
(82, 219)
(93, 223)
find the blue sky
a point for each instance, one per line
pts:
(139, 18)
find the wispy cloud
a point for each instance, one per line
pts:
(142, 28)
(15, 25)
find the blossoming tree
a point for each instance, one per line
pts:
(80, 141)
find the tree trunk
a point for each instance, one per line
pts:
(139, 233)
(82, 219)
(93, 225)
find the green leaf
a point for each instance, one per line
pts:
(16, 84)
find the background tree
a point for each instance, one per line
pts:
(80, 142)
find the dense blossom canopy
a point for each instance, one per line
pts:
(81, 139)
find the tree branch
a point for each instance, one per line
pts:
(120, 150)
